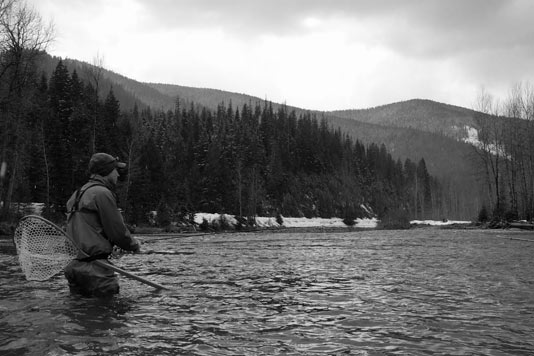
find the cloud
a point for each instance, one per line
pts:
(413, 26)
(310, 53)
(469, 32)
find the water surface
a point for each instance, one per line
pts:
(416, 292)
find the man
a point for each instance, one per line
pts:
(96, 225)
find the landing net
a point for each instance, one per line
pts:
(44, 249)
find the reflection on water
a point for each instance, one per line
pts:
(414, 292)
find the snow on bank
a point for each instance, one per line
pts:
(25, 208)
(270, 222)
(287, 222)
(438, 223)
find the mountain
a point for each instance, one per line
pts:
(414, 129)
(158, 96)
(444, 156)
(436, 132)
(418, 129)
(425, 115)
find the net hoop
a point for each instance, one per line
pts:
(44, 250)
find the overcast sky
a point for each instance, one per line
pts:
(322, 55)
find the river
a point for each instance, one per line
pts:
(413, 292)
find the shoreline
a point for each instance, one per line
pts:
(6, 241)
(329, 228)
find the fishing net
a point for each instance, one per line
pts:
(43, 248)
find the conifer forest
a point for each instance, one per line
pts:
(245, 161)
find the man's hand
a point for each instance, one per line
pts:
(131, 228)
(137, 246)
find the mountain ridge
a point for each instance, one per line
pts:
(422, 114)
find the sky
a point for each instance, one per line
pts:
(313, 54)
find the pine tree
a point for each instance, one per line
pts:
(424, 192)
(38, 170)
(107, 138)
(58, 132)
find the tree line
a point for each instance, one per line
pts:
(246, 161)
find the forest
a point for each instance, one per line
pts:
(243, 161)
(246, 161)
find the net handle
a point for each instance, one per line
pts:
(101, 263)
(108, 265)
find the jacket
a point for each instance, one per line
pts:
(96, 225)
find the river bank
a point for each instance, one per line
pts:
(214, 222)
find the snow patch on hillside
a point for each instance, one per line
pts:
(472, 138)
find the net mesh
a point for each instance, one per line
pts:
(43, 249)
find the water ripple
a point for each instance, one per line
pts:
(416, 292)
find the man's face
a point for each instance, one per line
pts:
(114, 176)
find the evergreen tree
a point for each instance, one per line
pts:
(58, 132)
(37, 170)
(80, 131)
(424, 189)
(107, 138)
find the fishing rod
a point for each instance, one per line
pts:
(170, 252)
(517, 238)
(168, 236)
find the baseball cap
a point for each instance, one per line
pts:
(103, 164)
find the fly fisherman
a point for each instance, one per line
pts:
(96, 225)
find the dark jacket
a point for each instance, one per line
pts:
(96, 225)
